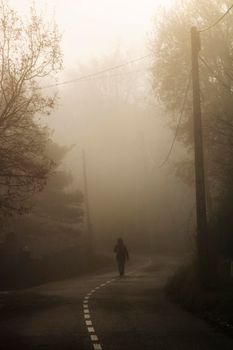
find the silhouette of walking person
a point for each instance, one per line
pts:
(121, 255)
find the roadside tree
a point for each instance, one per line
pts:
(171, 72)
(29, 54)
(56, 218)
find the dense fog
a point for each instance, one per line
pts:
(125, 134)
(105, 106)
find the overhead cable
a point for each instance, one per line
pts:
(218, 20)
(228, 88)
(96, 74)
(178, 124)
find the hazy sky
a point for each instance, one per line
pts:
(92, 28)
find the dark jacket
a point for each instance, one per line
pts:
(121, 252)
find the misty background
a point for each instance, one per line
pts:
(123, 129)
(125, 136)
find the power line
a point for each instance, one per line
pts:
(178, 124)
(218, 20)
(117, 74)
(228, 88)
(97, 74)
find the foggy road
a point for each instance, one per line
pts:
(104, 311)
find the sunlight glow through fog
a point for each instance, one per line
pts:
(94, 28)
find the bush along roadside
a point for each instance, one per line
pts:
(214, 304)
(65, 264)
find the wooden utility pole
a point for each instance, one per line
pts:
(86, 200)
(202, 231)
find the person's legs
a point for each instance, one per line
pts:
(121, 267)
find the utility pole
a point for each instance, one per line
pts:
(86, 200)
(202, 230)
(145, 194)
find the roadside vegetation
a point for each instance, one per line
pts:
(213, 304)
(171, 75)
(41, 213)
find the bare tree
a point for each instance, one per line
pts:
(29, 52)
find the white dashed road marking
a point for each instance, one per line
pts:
(91, 329)
(86, 313)
(94, 337)
(97, 347)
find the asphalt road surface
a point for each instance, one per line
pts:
(103, 311)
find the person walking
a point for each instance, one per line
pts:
(122, 255)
